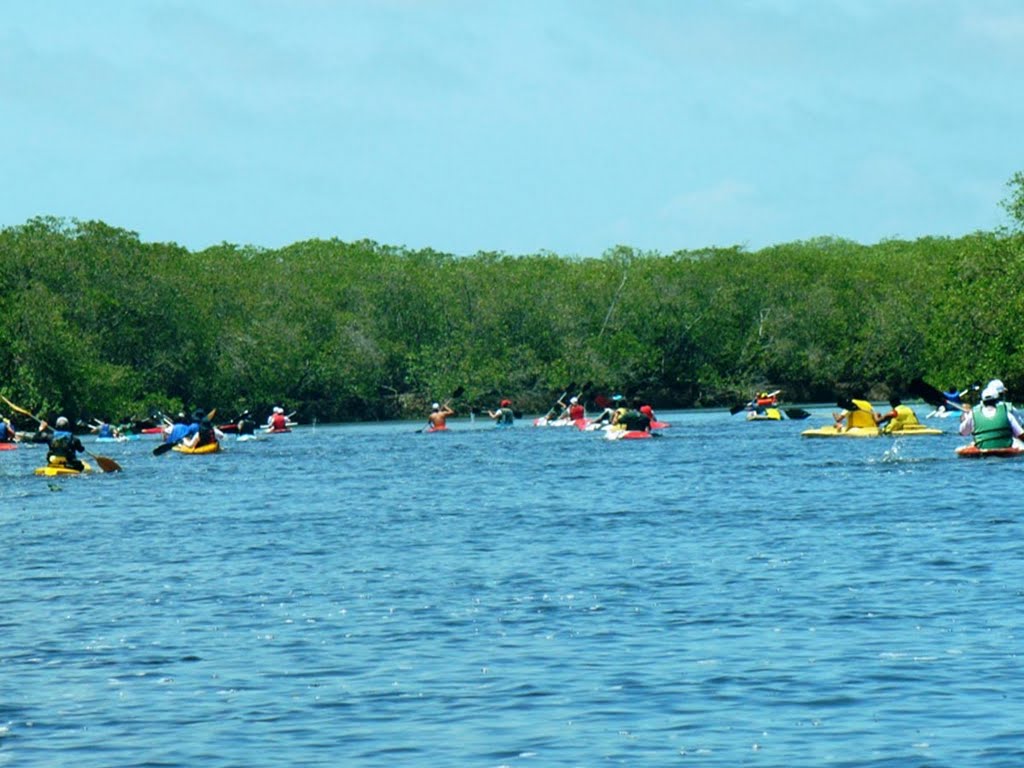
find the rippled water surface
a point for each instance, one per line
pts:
(729, 594)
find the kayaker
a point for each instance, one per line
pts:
(504, 416)
(632, 419)
(277, 422)
(246, 424)
(180, 429)
(438, 418)
(64, 446)
(7, 433)
(607, 414)
(991, 422)
(202, 431)
(575, 411)
(861, 415)
(896, 419)
(105, 430)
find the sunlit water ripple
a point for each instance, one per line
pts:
(729, 594)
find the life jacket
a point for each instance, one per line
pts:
(992, 430)
(505, 416)
(763, 402)
(905, 416)
(634, 421)
(105, 431)
(278, 421)
(863, 416)
(576, 412)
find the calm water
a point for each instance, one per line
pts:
(729, 594)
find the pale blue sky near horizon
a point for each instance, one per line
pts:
(518, 126)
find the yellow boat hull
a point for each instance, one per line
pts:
(208, 448)
(55, 470)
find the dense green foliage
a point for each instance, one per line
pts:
(95, 322)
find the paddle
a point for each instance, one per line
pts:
(551, 412)
(933, 396)
(164, 447)
(455, 396)
(797, 413)
(106, 464)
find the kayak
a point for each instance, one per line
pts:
(208, 448)
(660, 425)
(832, 431)
(543, 421)
(627, 434)
(974, 452)
(428, 430)
(766, 414)
(913, 429)
(8, 446)
(249, 438)
(277, 431)
(55, 470)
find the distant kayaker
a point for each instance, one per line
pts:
(899, 417)
(862, 414)
(504, 416)
(202, 431)
(246, 424)
(64, 446)
(991, 422)
(180, 429)
(632, 419)
(575, 411)
(438, 418)
(7, 433)
(607, 414)
(277, 422)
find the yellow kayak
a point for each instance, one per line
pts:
(766, 414)
(59, 468)
(208, 448)
(833, 431)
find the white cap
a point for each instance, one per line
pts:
(997, 385)
(436, 406)
(278, 409)
(989, 394)
(574, 400)
(61, 421)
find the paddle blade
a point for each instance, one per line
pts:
(163, 448)
(847, 405)
(927, 392)
(737, 408)
(797, 413)
(106, 464)
(458, 393)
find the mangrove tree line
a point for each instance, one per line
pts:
(95, 322)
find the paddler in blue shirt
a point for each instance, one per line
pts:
(64, 446)
(7, 433)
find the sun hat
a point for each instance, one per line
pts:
(990, 394)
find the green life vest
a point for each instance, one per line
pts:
(992, 431)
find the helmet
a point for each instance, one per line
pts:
(61, 421)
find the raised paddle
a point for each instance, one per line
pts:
(106, 464)
(933, 396)
(164, 447)
(551, 413)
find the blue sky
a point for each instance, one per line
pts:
(519, 126)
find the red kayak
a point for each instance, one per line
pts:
(8, 446)
(974, 452)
